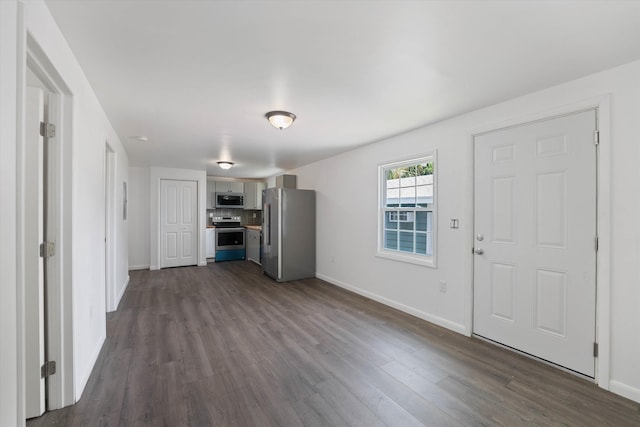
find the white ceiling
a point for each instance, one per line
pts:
(197, 77)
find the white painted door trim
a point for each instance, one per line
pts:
(59, 296)
(109, 229)
(155, 175)
(184, 226)
(31, 263)
(602, 104)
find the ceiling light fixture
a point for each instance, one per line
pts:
(225, 165)
(280, 119)
(139, 138)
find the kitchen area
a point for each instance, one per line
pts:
(234, 219)
(272, 227)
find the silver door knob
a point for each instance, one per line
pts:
(479, 251)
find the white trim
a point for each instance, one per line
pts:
(139, 267)
(411, 258)
(602, 104)
(156, 174)
(456, 327)
(109, 174)
(60, 296)
(624, 390)
(122, 291)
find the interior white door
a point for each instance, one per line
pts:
(179, 225)
(33, 263)
(535, 230)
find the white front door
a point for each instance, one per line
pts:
(178, 223)
(534, 238)
(33, 263)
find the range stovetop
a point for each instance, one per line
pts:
(226, 221)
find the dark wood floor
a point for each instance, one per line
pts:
(226, 346)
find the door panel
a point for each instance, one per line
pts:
(535, 225)
(178, 223)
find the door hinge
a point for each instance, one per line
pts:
(47, 130)
(595, 349)
(47, 249)
(596, 137)
(597, 243)
(48, 369)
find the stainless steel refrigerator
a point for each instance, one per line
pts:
(288, 233)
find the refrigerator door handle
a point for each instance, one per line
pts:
(267, 232)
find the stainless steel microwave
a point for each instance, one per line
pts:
(230, 200)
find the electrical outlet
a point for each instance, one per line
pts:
(443, 286)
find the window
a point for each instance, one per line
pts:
(407, 211)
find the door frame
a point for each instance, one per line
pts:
(159, 173)
(602, 105)
(163, 250)
(59, 388)
(109, 228)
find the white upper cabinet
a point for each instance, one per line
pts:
(229, 187)
(211, 194)
(253, 195)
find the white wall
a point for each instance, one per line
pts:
(10, 406)
(82, 181)
(346, 188)
(139, 218)
(158, 173)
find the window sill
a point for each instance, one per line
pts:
(408, 258)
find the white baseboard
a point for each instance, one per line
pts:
(456, 327)
(139, 267)
(625, 390)
(122, 291)
(202, 264)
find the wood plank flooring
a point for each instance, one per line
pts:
(224, 345)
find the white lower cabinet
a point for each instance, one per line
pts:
(211, 243)
(253, 245)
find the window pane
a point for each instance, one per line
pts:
(408, 197)
(408, 181)
(424, 180)
(391, 220)
(429, 244)
(424, 195)
(393, 197)
(421, 220)
(406, 241)
(391, 240)
(406, 225)
(421, 243)
(392, 182)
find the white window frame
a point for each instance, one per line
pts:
(412, 258)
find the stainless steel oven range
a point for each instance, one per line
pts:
(230, 238)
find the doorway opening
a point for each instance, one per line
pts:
(109, 228)
(44, 235)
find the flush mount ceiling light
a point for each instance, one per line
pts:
(139, 138)
(225, 165)
(280, 119)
